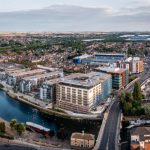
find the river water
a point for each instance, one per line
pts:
(11, 108)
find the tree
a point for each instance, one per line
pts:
(2, 127)
(122, 99)
(137, 93)
(131, 51)
(127, 108)
(13, 123)
(128, 97)
(20, 128)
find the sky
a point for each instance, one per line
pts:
(74, 15)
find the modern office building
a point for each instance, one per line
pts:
(106, 81)
(79, 93)
(120, 77)
(27, 84)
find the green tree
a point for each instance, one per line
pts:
(13, 123)
(2, 127)
(20, 128)
(122, 99)
(127, 108)
(128, 97)
(131, 51)
(137, 93)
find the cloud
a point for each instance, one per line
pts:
(76, 18)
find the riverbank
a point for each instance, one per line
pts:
(29, 139)
(49, 111)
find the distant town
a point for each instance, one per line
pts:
(80, 76)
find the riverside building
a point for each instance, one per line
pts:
(31, 83)
(14, 78)
(80, 93)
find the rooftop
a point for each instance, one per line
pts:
(111, 54)
(140, 131)
(110, 69)
(85, 80)
(83, 56)
(84, 136)
(43, 75)
(30, 72)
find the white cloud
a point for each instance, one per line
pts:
(75, 18)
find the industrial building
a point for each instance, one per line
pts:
(79, 93)
(120, 77)
(30, 83)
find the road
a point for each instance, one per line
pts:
(15, 147)
(109, 137)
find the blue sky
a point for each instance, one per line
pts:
(74, 15)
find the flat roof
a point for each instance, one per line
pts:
(43, 75)
(13, 71)
(85, 80)
(111, 54)
(82, 56)
(30, 72)
(111, 69)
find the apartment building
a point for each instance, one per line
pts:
(133, 64)
(29, 83)
(79, 93)
(14, 78)
(48, 88)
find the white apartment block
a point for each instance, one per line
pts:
(80, 93)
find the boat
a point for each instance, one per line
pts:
(37, 128)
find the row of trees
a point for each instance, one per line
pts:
(19, 127)
(131, 103)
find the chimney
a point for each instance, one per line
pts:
(83, 132)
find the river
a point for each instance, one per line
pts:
(11, 108)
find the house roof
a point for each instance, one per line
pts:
(84, 136)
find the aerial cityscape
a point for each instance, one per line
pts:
(74, 75)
